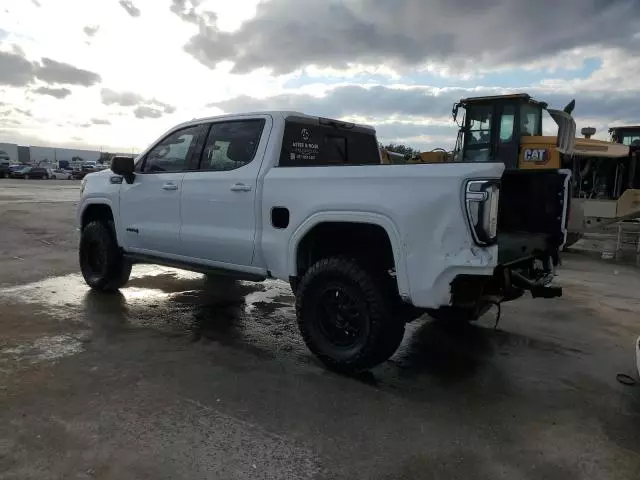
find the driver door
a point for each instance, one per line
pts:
(150, 206)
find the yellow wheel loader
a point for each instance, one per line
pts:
(508, 129)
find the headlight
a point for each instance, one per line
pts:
(481, 203)
(83, 183)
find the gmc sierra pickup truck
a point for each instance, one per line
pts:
(366, 246)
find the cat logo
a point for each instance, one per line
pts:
(305, 134)
(539, 156)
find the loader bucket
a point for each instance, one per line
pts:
(566, 140)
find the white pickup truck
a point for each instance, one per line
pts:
(365, 246)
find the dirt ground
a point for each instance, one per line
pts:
(175, 377)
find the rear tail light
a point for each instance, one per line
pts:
(481, 203)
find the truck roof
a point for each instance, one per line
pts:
(274, 113)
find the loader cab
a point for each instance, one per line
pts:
(492, 127)
(629, 136)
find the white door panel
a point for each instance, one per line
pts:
(218, 219)
(219, 201)
(150, 212)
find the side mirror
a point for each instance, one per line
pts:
(123, 166)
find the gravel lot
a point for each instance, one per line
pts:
(178, 378)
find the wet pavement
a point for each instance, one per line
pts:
(178, 376)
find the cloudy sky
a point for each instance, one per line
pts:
(117, 73)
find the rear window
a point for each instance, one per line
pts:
(308, 143)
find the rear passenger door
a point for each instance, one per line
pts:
(219, 199)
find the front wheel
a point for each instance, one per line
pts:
(344, 316)
(102, 264)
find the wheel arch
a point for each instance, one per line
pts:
(98, 209)
(356, 219)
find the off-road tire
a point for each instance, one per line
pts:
(111, 271)
(381, 332)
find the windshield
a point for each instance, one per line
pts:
(478, 134)
(631, 138)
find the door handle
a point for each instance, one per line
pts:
(240, 187)
(169, 186)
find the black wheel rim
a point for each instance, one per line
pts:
(342, 316)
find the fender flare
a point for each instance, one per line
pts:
(82, 208)
(354, 217)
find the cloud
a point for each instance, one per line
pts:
(53, 92)
(124, 99)
(348, 100)
(145, 108)
(100, 121)
(130, 8)
(424, 113)
(91, 30)
(15, 70)
(52, 71)
(409, 33)
(186, 9)
(36, 3)
(420, 102)
(147, 112)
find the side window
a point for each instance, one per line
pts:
(530, 119)
(507, 120)
(231, 145)
(172, 153)
(306, 144)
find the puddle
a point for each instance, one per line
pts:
(259, 316)
(45, 349)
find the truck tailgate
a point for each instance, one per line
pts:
(533, 213)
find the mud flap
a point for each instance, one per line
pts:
(566, 140)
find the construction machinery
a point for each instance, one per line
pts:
(509, 129)
(387, 156)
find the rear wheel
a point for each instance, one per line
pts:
(344, 316)
(101, 261)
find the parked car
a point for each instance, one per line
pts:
(79, 174)
(306, 200)
(31, 172)
(4, 170)
(62, 174)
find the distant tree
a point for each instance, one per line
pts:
(405, 150)
(77, 159)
